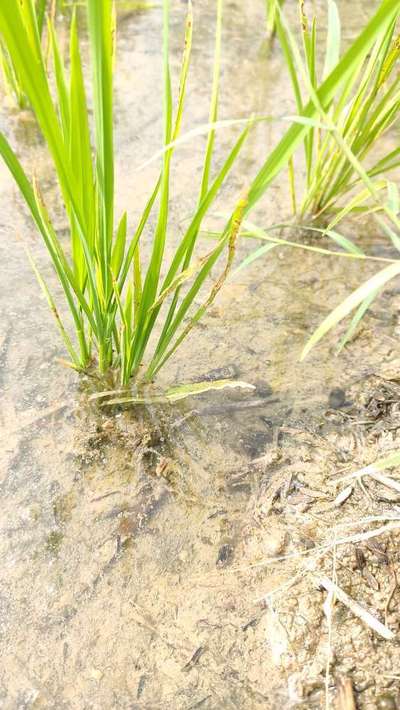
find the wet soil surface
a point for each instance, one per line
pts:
(174, 557)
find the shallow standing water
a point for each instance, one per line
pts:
(125, 535)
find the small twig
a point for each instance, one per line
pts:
(364, 490)
(373, 473)
(391, 592)
(356, 608)
(265, 599)
(386, 481)
(194, 659)
(328, 609)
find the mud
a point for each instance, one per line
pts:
(138, 546)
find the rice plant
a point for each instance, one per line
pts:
(345, 154)
(363, 110)
(11, 80)
(10, 74)
(115, 295)
(322, 98)
(371, 111)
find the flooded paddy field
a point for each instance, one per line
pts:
(173, 556)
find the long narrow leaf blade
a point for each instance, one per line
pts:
(360, 294)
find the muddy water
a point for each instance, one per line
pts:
(125, 535)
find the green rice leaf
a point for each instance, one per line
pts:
(393, 197)
(184, 70)
(53, 308)
(305, 121)
(61, 84)
(358, 296)
(339, 239)
(356, 201)
(119, 246)
(214, 103)
(101, 40)
(178, 392)
(358, 316)
(390, 233)
(333, 39)
(228, 239)
(253, 256)
(290, 61)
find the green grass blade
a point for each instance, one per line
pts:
(205, 194)
(118, 252)
(139, 231)
(376, 282)
(390, 233)
(253, 257)
(358, 316)
(61, 83)
(213, 116)
(333, 40)
(53, 308)
(290, 62)
(22, 46)
(357, 200)
(229, 239)
(384, 163)
(253, 230)
(187, 244)
(40, 15)
(80, 156)
(102, 49)
(184, 71)
(310, 39)
(19, 176)
(153, 272)
(193, 229)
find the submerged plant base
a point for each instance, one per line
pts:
(152, 511)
